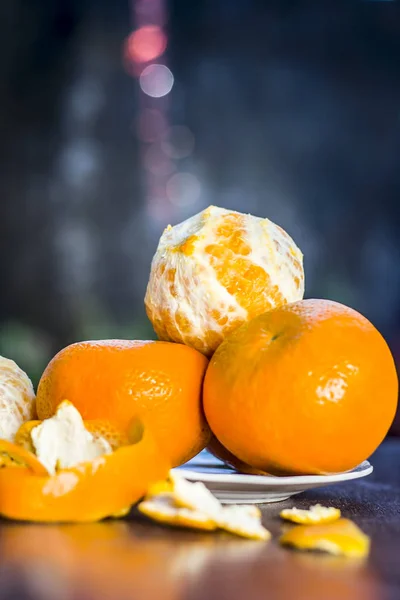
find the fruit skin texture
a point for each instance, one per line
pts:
(217, 270)
(120, 381)
(220, 452)
(309, 387)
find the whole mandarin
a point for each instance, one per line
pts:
(310, 387)
(219, 451)
(121, 381)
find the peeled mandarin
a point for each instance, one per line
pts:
(17, 398)
(217, 270)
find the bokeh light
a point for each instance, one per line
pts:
(156, 80)
(79, 163)
(156, 162)
(151, 125)
(178, 142)
(183, 189)
(146, 44)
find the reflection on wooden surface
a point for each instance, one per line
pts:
(117, 559)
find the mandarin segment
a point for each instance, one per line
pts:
(17, 398)
(217, 270)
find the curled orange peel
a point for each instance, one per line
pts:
(97, 427)
(13, 455)
(89, 492)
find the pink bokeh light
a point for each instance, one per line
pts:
(145, 44)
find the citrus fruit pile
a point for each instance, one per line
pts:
(293, 386)
(269, 382)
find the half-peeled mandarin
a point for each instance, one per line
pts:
(217, 270)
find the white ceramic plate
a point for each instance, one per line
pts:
(232, 487)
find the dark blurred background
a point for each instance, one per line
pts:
(120, 117)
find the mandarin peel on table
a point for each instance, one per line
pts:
(341, 538)
(294, 390)
(118, 381)
(90, 491)
(17, 398)
(244, 521)
(316, 514)
(162, 509)
(194, 496)
(181, 503)
(217, 270)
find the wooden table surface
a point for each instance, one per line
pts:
(136, 559)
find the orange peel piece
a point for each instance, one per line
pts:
(185, 504)
(88, 492)
(98, 428)
(162, 508)
(343, 537)
(23, 436)
(62, 441)
(102, 428)
(316, 514)
(160, 487)
(244, 521)
(12, 455)
(194, 496)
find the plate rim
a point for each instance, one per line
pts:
(362, 470)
